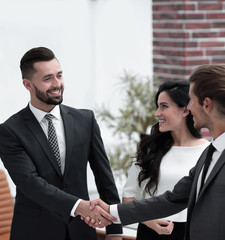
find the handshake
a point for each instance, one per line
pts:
(95, 213)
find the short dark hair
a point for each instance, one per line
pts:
(209, 81)
(32, 56)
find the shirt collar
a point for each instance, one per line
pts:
(219, 142)
(39, 114)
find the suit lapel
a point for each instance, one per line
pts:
(192, 198)
(68, 122)
(215, 170)
(192, 204)
(33, 125)
(220, 162)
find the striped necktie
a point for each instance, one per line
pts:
(52, 138)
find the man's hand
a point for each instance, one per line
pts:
(160, 226)
(98, 203)
(97, 214)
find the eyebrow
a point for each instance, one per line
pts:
(49, 75)
(163, 103)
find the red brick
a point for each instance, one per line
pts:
(168, 44)
(192, 16)
(221, 34)
(183, 71)
(163, 16)
(180, 44)
(205, 35)
(167, 25)
(164, 1)
(218, 24)
(198, 25)
(215, 52)
(210, 6)
(174, 16)
(168, 78)
(215, 16)
(194, 62)
(166, 61)
(212, 44)
(218, 61)
(177, 62)
(178, 53)
(170, 35)
(174, 7)
(190, 44)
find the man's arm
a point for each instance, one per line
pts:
(152, 208)
(103, 174)
(158, 225)
(167, 204)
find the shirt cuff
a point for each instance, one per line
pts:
(72, 213)
(114, 212)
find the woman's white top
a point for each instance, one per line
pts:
(175, 164)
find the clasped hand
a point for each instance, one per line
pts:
(95, 213)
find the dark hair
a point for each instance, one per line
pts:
(209, 81)
(32, 56)
(151, 149)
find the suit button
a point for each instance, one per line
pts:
(64, 187)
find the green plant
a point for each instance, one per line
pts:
(135, 115)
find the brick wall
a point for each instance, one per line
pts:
(187, 33)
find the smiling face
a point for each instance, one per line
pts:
(199, 116)
(46, 85)
(170, 115)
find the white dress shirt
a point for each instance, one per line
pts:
(218, 143)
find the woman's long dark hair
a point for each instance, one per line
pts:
(152, 148)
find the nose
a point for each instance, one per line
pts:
(189, 106)
(56, 81)
(157, 112)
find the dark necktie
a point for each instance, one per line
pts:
(207, 163)
(52, 138)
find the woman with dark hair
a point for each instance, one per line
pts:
(162, 158)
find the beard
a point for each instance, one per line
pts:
(202, 121)
(43, 97)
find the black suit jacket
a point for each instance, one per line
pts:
(206, 212)
(45, 197)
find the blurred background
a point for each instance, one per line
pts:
(110, 51)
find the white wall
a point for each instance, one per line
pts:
(93, 40)
(123, 41)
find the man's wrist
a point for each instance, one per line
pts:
(73, 211)
(114, 212)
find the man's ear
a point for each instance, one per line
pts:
(186, 112)
(27, 84)
(207, 104)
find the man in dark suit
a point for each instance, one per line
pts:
(46, 148)
(204, 196)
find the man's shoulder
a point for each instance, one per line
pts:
(76, 111)
(15, 118)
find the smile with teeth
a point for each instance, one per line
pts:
(161, 121)
(54, 91)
